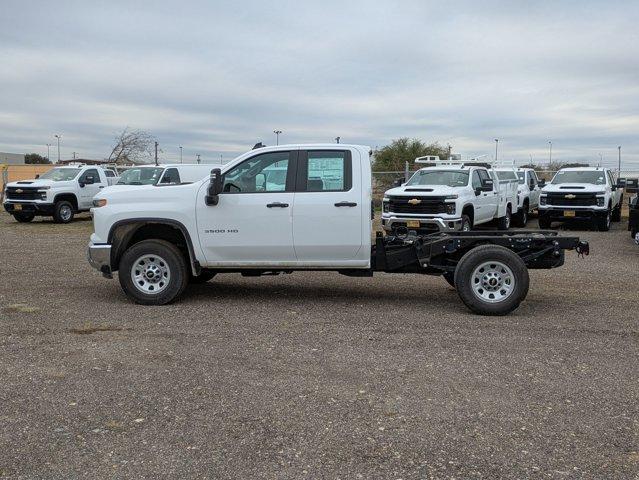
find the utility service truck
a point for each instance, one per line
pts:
(59, 193)
(528, 192)
(318, 216)
(581, 193)
(450, 196)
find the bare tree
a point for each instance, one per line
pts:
(133, 146)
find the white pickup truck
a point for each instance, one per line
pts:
(450, 196)
(163, 174)
(242, 219)
(59, 193)
(528, 192)
(581, 193)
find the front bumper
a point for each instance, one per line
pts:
(391, 221)
(99, 256)
(37, 208)
(583, 213)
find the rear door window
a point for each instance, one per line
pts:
(325, 171)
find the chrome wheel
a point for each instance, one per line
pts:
(66, 213)
(150, 274)
(493, 282)
(637, 238)
(507, 220)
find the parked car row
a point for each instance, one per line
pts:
(64, 191)
(456, 195)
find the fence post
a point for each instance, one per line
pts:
(5, 179)
(406, 172)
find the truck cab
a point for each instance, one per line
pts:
(59, 193)
(449, 196)
(581, 193)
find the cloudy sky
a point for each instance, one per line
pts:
(218, 76)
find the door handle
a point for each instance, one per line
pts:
(346, 204)
(101, 186)
(277, 205)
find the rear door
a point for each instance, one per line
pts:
(533, 185)
(327, 213)
(489, 200)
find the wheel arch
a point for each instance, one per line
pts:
(68, 197)
(125, 233)
(469, 210)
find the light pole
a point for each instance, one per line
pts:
(550, 154)
(180, 154)
(73, 155)
(58, 137)
(48, 152)
(496, 145)
(337, 139)
(277, 136)
(619, 148)
(221, 160)
(198, 158)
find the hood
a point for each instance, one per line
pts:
(37, 183)
(423, 191)
(125, 188)
(573, 188)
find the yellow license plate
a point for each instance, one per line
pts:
(412, 223)
(569, 213)
(17, 207)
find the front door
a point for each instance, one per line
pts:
(252, 223)
(92, 185)
(328, 211)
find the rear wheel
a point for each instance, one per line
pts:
(63, 212)
(153, 272)
(521, 218)
(504, 222)
(23, 217)
(491, 280)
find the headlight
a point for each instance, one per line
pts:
(385, 206)
(450, 208)
(601, 201)
(542, 200)
(40, 189)
(99, 202)
(451, 197)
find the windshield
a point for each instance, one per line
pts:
(140, 176)
(450, 178)
(522, 177)
(61, 174)
(595, 177)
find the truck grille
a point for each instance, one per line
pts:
(427, 205)
(23, 193)
(572, 199)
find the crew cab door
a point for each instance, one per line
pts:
(252, 223)
(90, 183)
(488, 202)
(533, 186)
(327, 215)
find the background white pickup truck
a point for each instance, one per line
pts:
(581, 193)
(59, 193)
(296, 207)
(528, 192)
(164, 174)
(450, 196)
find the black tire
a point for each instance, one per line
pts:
(466, 224)
(503, 223)
(203, 277)
(544, 223)
(616, 212)
(450, 278)
(23, 217)
(520, 219)
(633, 235)
(485, 254)
(172, 259)
(603, 223)
(63, 212)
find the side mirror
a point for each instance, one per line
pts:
(478, 191)
(37, 176)
(621, 183)
(398, 182)
(215, 187)
(487, 185)
(542, 183)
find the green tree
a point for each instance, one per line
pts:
(393, 157)
(34, 158)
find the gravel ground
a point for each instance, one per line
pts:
(314, 375)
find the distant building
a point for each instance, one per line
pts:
(11, 158)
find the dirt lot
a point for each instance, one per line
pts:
(314, 375)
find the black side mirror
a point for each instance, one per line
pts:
(398, 182)
(215, 187)
(37, 176)
(478, 191)
(542, 183)
(621, 183)
(487, 185)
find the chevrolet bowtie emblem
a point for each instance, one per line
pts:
(414, 201)
(570, 196)
(19, 190)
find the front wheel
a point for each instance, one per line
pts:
(544, 223)
(466, 224)
(504, 222)
(521, 218)
(23, 217)
(616, 212)
(491, 280)
(603, 223)
(153, 272)
(63, 212)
